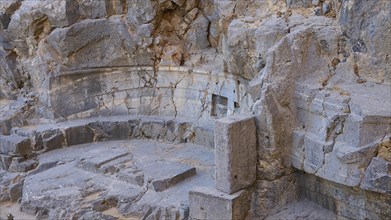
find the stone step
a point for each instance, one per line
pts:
(164, 174)
(95, 162)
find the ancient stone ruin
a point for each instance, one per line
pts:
(195, 109)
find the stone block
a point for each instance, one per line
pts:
(15, 145)
(204, 137)
(79, 135)
(172, 128)
(174, 172)
(184, 132)
(315, 151)
(134, 124)
(235, 153)
(165, 183)
(93, 164)
(154, 129)
(132, 177)
(50, 140)
(338, 171)
(111, 130)
(209, 203)
(15, 191)
(377, 176)
(5, 161)
(18, 164)
(7, 181)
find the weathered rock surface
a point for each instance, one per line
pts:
(209, 203)
(235, 152)
(346, 202)
(315, 74)
(72, 181)
(302, 210)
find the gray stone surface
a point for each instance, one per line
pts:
(319, 69)
(235, 152)
(335, 135)
(275, 194)
(15, 145)
(49, 140)
(173, 173)
(346, 202)
(209, 203)
(95, 162)
(5, 161)
(11, 184)
(303, 209)
(378, 176)
(19, 164)
(116, 179)
(15, 191)
(51, 136)
(135, 177)
(79, 135)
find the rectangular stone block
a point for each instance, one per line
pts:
(315, 150)
(154, 129)
(15, 145)
(204, 137)
(19, 164)
(93, 164)
(209, 203)
(131, 176)
(79, 135)
(111, 130)
(49, 140)
(174, 172)
(235, 153)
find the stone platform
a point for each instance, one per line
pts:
(142, 179)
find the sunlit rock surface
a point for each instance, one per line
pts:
(315, 75)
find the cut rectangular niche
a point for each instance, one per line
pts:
(219, 106)
(222, 107)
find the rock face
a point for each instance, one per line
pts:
(315, 75)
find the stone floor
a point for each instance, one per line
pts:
(136, 178)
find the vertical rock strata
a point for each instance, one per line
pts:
(315, 75)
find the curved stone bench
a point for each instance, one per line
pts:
(27, 142)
